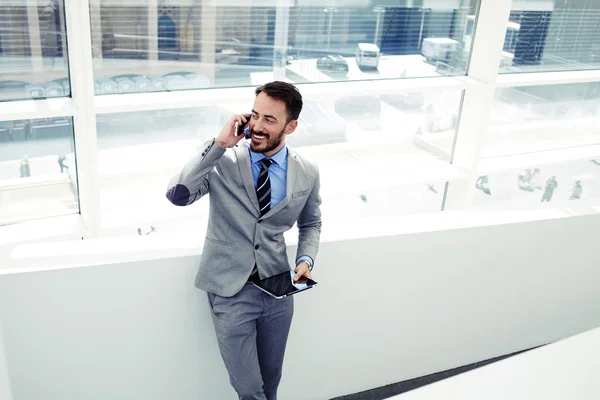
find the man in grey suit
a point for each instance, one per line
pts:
(259, 188)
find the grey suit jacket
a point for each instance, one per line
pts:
(237, 236)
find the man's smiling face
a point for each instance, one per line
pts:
(269, 125)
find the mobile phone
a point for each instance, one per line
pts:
(240, 129)
(243, 129)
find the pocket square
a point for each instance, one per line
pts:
(301, 193)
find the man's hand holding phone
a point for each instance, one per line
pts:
(229, 135)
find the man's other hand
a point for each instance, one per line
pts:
(302, 269)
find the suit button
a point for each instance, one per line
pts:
(259, 221)
(256, 247)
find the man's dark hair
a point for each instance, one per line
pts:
(285, 92)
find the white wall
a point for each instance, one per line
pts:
(428, 302)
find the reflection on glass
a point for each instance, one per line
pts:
(38, 177)
(537, 118)
(558, 184)
(409, 133)
(181, 46)
(552, 36)
(33, 53)
(390, 201)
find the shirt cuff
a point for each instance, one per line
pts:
(307, 259)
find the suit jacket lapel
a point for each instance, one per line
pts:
(292, 171)
(246, 172)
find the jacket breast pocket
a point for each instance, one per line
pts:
(301, 193)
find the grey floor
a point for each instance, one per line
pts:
(385, 392)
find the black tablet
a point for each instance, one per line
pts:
(282, 285)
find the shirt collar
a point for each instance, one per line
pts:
(280, 157)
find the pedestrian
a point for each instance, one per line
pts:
(27, 129)
(551, 184)
(25, 169)
(577, 190)
(10, 129)
(61, 163)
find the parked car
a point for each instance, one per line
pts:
(54, 89)
(157, 83)
(66, 85)
(132, 83)
(105, 86)
(185, 80)
(15, 90)
(333, 63)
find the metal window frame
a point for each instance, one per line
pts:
(478, 85)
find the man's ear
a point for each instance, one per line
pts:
(291, 127)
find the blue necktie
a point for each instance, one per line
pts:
(263, 186)
(263, 193)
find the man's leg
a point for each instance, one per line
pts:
(235, 325)
(272, 333)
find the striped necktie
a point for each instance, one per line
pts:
(263, 186)
(263, 193)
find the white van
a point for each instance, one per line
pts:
(367, 55)
(439, 49)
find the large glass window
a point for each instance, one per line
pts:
(191, 45)
(37, 169)
(368, 148)
(33, 53)
(552, 36)
(542, 118)
(541, 146)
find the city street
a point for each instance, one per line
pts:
(390, 67)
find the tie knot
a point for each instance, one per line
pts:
(266, 162)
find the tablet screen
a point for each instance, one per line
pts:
(282, 284)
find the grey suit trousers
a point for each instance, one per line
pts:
(252, 330)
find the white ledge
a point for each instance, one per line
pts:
(205, 97)
(547, 78)
(31, 109)
(70, 253)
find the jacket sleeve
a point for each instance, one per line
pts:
(191, 183)
(309, 224)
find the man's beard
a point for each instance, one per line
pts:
(270, 143)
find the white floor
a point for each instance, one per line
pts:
(564, 370)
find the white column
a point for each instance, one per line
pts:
(96, 24)
(208, 38)
(35, 40)
(5, 390)
(477, 102)
(282, 22)
(153, 30)
(84, 122)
